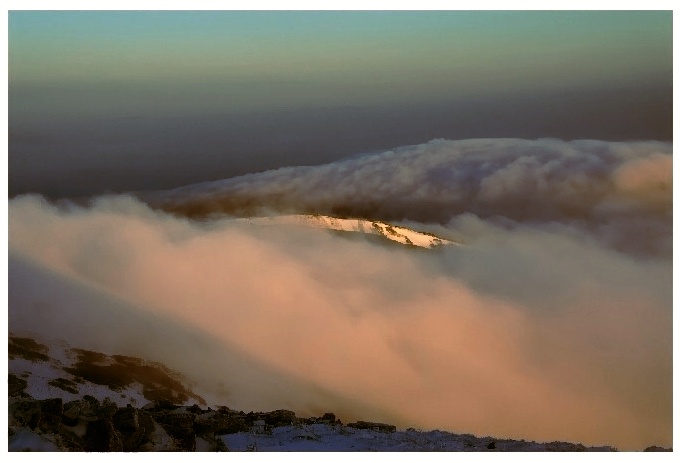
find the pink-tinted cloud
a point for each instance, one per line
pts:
(529, 331)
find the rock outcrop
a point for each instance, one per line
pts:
(382, 427)
(91, 425)
(66, 419)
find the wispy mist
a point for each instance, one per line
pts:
(547, 324)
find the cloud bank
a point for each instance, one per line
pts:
(620, 193)
(551, 323)
(554, 321)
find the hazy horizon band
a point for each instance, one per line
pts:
(99, 100)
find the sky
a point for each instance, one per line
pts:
(377, 56)
(99, 99)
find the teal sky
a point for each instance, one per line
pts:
(217, 61)
(128, 100)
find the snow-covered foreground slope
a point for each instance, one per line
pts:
(56, 370)
(391, 232)
(65, 398)
(324, 437)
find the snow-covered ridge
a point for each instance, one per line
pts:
(62, 398)
(391, 232)
(57, 370)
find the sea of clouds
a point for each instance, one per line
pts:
(552, 321)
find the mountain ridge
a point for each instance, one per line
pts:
(63, 398)
(386, 230)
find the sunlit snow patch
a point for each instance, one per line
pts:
(396, 233)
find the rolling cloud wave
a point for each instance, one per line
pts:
(620, 192)
(552, 322)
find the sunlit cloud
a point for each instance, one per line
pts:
(531, 330)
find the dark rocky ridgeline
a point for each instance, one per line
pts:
(87, 424)
(93, 426)
(90, 425)
(382, 427)
(327, 418)
(655, 448)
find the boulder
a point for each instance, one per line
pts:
(330, 417)
(147, 424)
(107, 409)
(279, 418)
(101, 436)
(69, 440)
(50, 414)
(195, 409)
(89, 408)
(71, 413)
(217, 423)
(564, 447)
(655, 448)
(126, 419)
(179, 425)
(135, 427)
(132, 441)
(382, 427)
(25, 413)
